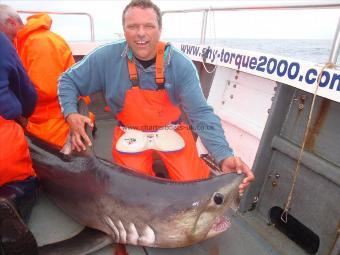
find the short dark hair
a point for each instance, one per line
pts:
(144, 4)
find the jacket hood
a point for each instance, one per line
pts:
(39, 21)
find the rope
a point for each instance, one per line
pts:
(206, 69)
(214, 27)
(284, 215)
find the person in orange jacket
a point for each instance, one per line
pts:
(18, 183)
(45, 56)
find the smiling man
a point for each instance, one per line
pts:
(147, 84)
(142, 30)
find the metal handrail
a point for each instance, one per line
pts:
(269, 6)
(336, 46)
(68, 13)
(204, 25)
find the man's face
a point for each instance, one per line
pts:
(142, 32)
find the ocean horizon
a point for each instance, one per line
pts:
(313, 50)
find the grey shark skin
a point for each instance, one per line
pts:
(133, 208)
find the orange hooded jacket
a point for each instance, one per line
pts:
(45, 56)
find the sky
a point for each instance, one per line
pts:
(276, 24)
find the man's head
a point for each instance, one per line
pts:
(142, 24)
(10, 21)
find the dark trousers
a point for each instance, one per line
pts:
(22, 194)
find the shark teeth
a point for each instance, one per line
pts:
(122, 232)
(112, 227)
(130, 235)
(221, 224)
(148, 237)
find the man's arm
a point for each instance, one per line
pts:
(207, 124)
(82, 79)
(27, 94)
(17, 94)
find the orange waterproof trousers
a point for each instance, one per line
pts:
(183, 165)
(15, 160)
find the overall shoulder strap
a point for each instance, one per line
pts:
(159, 73)
(133, 72)
(160, 80)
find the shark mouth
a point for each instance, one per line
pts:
(221, 224)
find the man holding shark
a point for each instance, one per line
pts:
(147, 84)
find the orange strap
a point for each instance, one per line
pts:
(87, 99)
(159, 66)
(159, 63)
(132, 71)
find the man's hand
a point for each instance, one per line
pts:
(235, 164)
(77, 127)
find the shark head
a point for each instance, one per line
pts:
(211, 219)
(174, 215)
(205, 218)
(162, 214)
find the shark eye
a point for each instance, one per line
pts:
(218, 198)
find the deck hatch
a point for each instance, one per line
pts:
(295, 230)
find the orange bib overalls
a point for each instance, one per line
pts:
(149, 110)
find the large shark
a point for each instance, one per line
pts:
(133, 208)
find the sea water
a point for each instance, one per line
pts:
(317, 51)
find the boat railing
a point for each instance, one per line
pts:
(270, 7)
(336, 46)
(67, 13)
